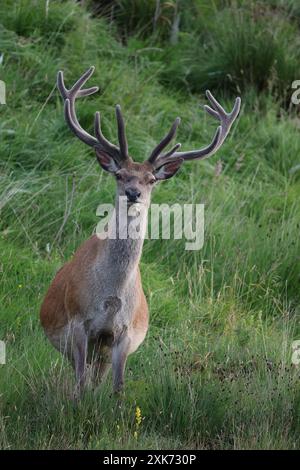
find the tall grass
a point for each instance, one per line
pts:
(240, 48)
(215, 370)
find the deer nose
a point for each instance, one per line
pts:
(132, 194)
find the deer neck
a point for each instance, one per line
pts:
(124, 243)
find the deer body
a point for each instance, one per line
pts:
(95, 311)
(97, 300)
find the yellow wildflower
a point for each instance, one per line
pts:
(138, 416)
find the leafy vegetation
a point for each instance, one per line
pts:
(215, 370)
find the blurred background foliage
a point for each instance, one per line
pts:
(221, 45)
(225, 312)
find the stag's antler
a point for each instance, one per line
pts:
(217, 111)
(120, 154)
(99, 142)
(164, 142)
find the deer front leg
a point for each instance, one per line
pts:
(101, 365)
(79, 356)
(120, 353)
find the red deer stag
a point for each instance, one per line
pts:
(95, 311)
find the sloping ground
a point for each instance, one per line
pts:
(215, 370)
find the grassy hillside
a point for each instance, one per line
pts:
(215, 370)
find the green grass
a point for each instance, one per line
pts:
(215, 370)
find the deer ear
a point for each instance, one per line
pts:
(168, 170)
(106, 161)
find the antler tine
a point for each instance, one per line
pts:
(114, 151)
(76, 87)
(69, 96)
(166, 157)
(61, 85)
(171, 151)
(164, 142)
(100, 142)
(82, 80)
(219, 110)
(121, 133)
(226, 120)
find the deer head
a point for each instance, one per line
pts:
(136, 180)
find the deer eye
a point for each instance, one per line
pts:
(152, 181)
(118, 176)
